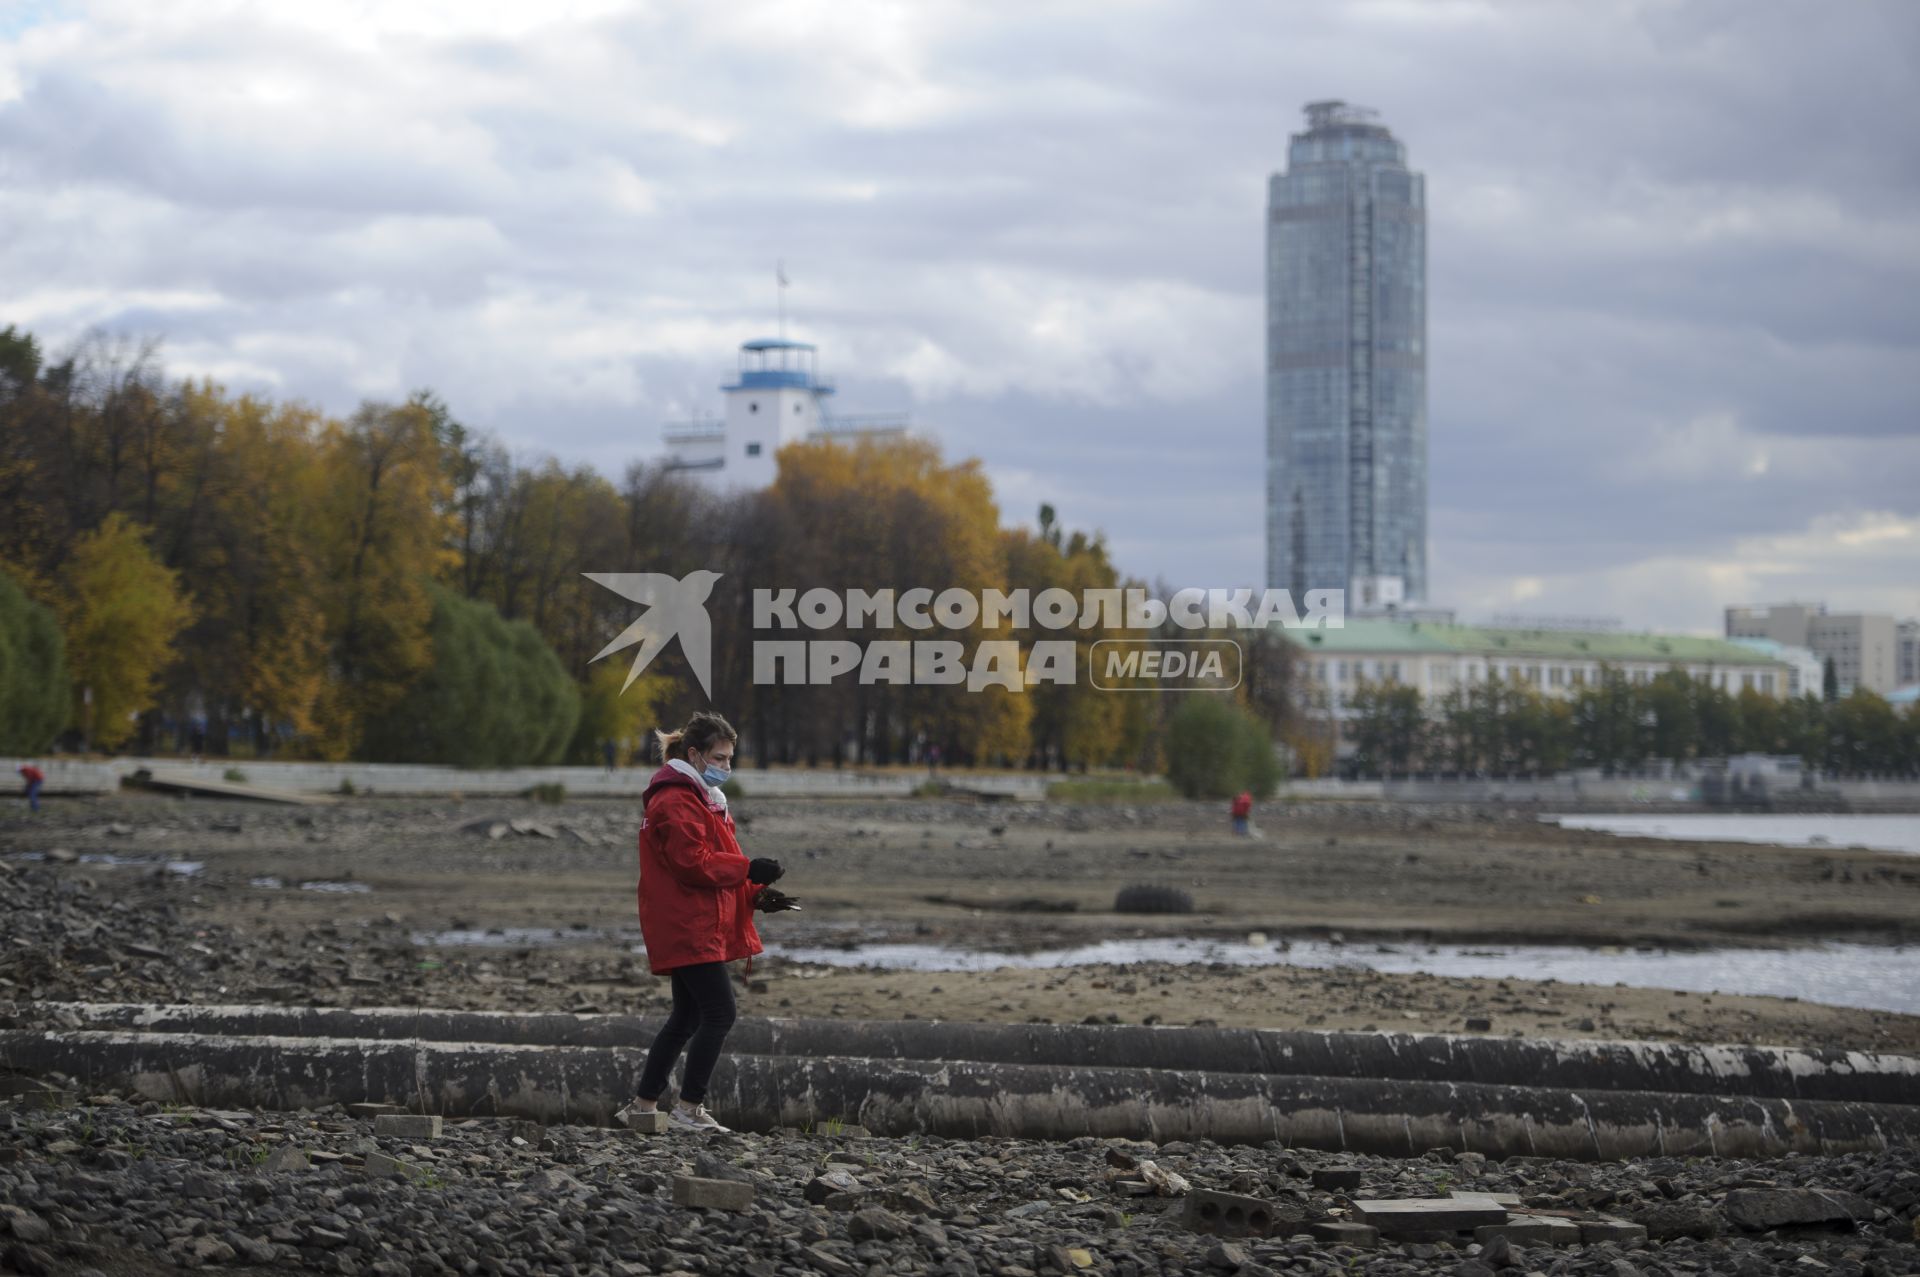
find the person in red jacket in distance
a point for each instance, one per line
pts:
(697, 895)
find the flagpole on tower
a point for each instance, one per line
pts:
(780, 276)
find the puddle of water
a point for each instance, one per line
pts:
(1877, 833)
(109, 860)
(515, 938)
(507, 937)
(1849, 975)
(348, 888)
(269, 883)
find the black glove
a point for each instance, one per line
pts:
(774, 900)
(764, 871)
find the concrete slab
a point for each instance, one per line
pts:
(187, 783)
(711, 1194)
(1396, 1215)
(408, 1126)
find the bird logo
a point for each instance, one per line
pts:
(676, 608)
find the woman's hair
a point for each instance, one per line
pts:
(702, 732)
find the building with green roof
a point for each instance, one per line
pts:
(1437, 658)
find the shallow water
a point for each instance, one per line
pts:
(1879, 833)
(111, 860)
(507, 937)
(1849, 975)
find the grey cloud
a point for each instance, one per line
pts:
(1088, 155)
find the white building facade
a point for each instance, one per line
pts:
(1438, 659)
(776, 397)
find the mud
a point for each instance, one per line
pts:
(1011, 876)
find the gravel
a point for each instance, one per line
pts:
(105, 1184)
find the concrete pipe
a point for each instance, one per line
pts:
(1760, 1071)
(967, 1098)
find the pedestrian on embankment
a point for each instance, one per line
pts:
(697, 895)
(35, 778)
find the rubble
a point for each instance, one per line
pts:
(158, 1184)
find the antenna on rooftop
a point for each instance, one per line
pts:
(780, 278)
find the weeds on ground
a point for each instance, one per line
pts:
(1090, 790)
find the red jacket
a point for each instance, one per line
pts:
(32, 773)
(1243, 804)
(696, 904)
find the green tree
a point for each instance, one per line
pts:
(1388, 726)
(1865, 733)
(1803, 729)
(35, 694)
(1215, 749)
(1676, 725)
(494, 695)
(1762, 719)
(1606, 722)
(1717, 716)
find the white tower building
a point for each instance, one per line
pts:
(777, 397)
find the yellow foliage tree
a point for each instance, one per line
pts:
(380, 535)
(273, 636)
(120, 613)
(894, 514)
(609, 714)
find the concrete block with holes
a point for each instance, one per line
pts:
(1228, 1214)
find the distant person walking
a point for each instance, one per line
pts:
(697, 895)
(606, 752)
(1242, 811)
(35, 778)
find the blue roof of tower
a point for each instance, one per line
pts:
(774, 343)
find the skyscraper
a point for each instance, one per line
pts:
(1347, 363)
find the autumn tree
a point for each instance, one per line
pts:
(120, 610)
(1074, 724)
(380, 539)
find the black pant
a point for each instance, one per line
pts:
(702, 1011)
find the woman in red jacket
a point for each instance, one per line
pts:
(697, 895)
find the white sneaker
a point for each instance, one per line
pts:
(633, 1106)
(694, 1117)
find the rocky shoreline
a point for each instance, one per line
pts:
(116, 1184)
(102, 1185)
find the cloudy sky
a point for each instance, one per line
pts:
(1674, 247)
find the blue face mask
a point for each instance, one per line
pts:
(714, 776)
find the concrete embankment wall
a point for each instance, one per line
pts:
(1086, 1081)
(399, 780)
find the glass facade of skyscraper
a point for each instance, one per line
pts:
(1346, 360)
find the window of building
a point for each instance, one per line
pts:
(796, 410)
(753, 450)
(753, 405)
